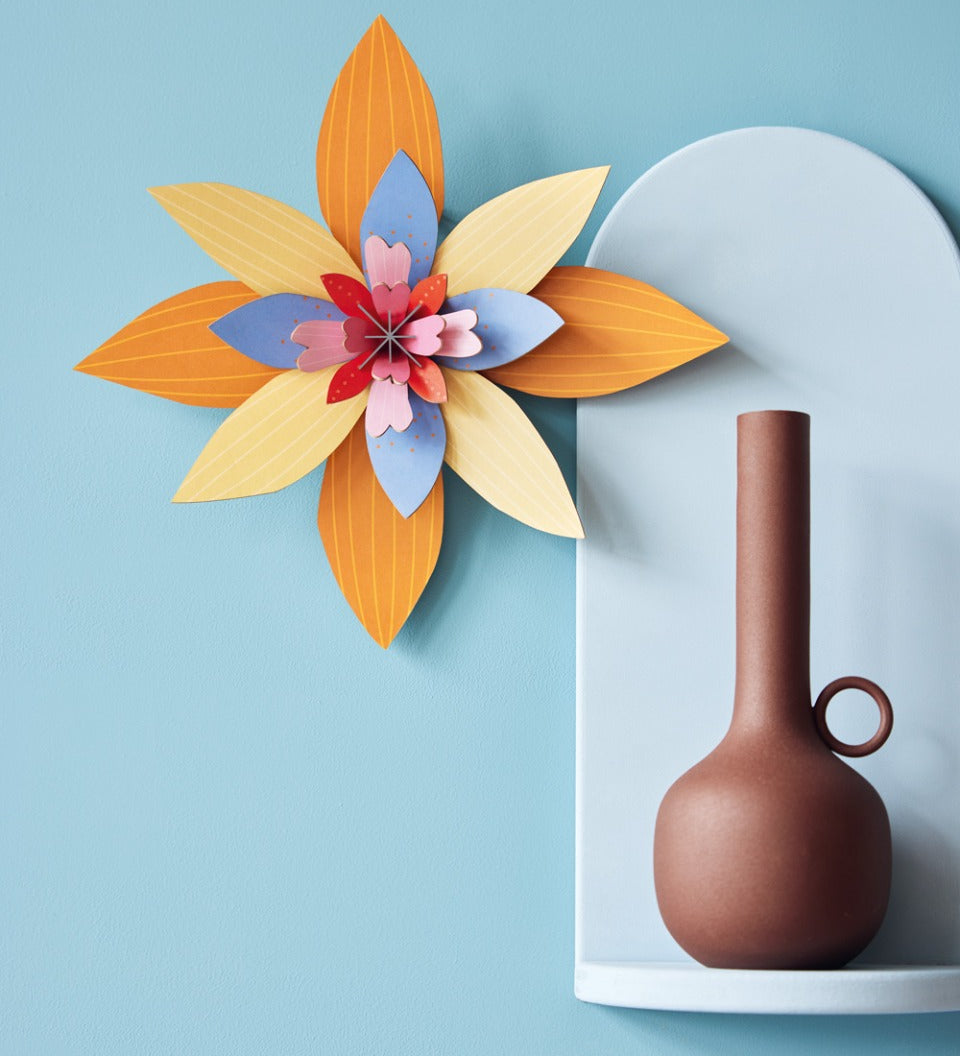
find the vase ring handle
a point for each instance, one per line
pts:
(882, 702)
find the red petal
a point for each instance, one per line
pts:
(427, 382)
(429, 294)
(349, 294)
(349, 380)
(356, 332)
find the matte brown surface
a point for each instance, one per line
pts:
(771, 852)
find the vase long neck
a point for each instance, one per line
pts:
(773, 570)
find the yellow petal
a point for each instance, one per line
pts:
(265, 244)
(277, 436)
(493, 445)
(514, 240)
(381, 560)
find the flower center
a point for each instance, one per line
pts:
(387, 337)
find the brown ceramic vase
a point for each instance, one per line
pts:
(772, 852)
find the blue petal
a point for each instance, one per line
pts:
(407, 463)
(262, 328)
(509, 324)
(401, 209)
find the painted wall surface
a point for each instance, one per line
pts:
(229, 823)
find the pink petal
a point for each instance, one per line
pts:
(359, 336)
(423, 335)
(457, 338)
(388, 406)
(324, 340)
(385, 264)
(391, 302)
(398, 368)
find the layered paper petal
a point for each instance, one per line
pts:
(407, 463)
(422, 335)
(280, 434)
(349, 381)
(381, 560)
(429, 294)
(427, 381)
(401, 211)
(169, 351)
(509, 324)
(495, 448)
(349, 295)
(617, 333)
(514, 240)
(388, 408)
(391, 302)
(324, 344)
(457, 339)
(361, 336)
(386, 264)
(379, 104)
(263, 329)
(384, 367)
(265, 244)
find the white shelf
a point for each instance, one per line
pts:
(860, 990)
(823, 263)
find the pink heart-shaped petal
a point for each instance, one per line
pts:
(324, 340)
(359, 336)
(458, 339)
(385, 264)
(391, 303)
(388, 407)
(397, 368)
(422, 336)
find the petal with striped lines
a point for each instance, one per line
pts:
(381, 560)
(169, 351)
(513, 240)
(617, 333)
(278, 436)
(379, 104)
(265, 244)
(495, 448)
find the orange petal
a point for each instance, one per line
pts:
(429, 294)
(380, 104)
(169, 351)
(426, 380)
(381, 560)
(617, 333)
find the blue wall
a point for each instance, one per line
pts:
(229, 823)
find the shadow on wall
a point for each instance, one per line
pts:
(606, 509)
(908, 577)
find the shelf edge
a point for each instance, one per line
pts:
(860, 990)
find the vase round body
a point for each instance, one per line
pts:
(772, 852)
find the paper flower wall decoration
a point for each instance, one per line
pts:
(371, 347)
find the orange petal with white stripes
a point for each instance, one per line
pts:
(381, 560)
(169, 351)
(617, 332)
(263, 243)
(493, 445)
(512, 241)
(280, 434)
(380, 104)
